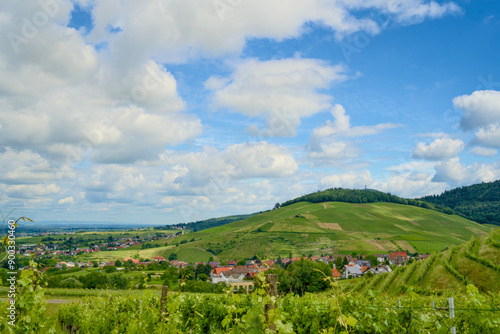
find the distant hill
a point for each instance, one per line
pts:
(363, 196)
(305, 228)
(475, 262)
(208, 223)
(479, 202)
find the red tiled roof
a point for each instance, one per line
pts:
(221, 269)
(335, 273)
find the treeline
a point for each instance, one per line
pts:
(478, 202)
(208, 223)
(363, 196)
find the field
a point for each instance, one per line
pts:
(475, 262)
(332, 228)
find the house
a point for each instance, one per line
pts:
(335, 273)
(423, 256)
(159, 259)
(127, 259)
(226, 275)
(398, 258)
(381, 257)
(382, 269)
(352, 271)
(362, 263)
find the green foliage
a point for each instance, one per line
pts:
(479, 202)
(358, 196)
(483, 261)
(312, 313)
(208, 223)
(29, 304)
(110, 269)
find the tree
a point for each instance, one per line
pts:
(118, 263)
(170, 277)
(204, 269)
(338, 262)
(172, 257)
(277, 206)
(110, 269)
(373, 260)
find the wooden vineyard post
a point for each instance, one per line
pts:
(164, 291)
(272, 283)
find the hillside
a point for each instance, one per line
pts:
(475, 262)
(331, 228)
(479, 202)
(207, 223)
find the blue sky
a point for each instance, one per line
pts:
(173, 112)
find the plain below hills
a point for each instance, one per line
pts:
(330, 228)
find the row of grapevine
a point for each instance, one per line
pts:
(427, 266)
(311, 313)
(391, 279)
(485, 262)
(451, 270)
(493, 240)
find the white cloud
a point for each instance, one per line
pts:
(457, 174)
(439, 149)
(484, 151)
(31, 191)
(488, 136)
(67, 200)
(72, 102)
(351, 179)
(193, 28)
(282, 91)
(411, 185)
(481, 108)
(239, 161)
(328, 144)
(481, 113)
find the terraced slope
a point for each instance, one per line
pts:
(475, 262)
(331, 228)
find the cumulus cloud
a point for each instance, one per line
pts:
(329, 144)
(239, 161)
(352, 179)
(282, 91)
(439, 149)
(481, 108)
(213, 28)
(67, 200)
(457, 174)
(411, 184)
(31, 190)
(66, 102)
(481, 113)
(484, 151)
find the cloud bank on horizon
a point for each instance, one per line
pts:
(171, 112)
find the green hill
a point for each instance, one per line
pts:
(304, 228)
(475, 262)
(479, 202)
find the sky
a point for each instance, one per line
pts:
(174, 111)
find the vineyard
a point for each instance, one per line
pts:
(474, 312)
(475, 262)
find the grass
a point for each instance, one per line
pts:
(439, 278)
(330, 228)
